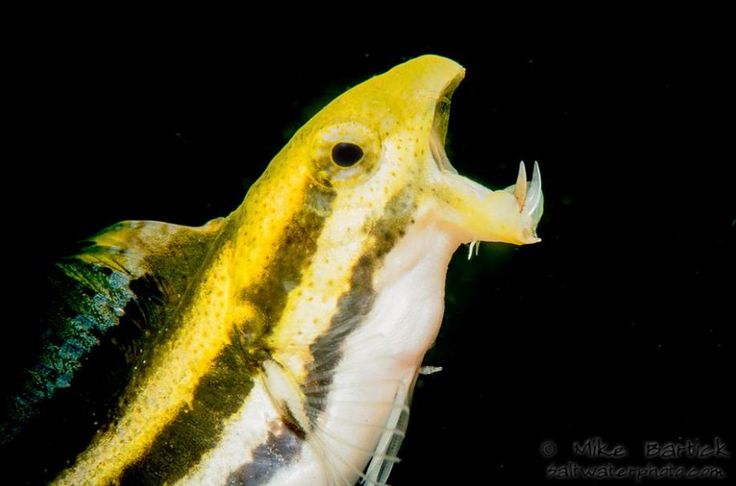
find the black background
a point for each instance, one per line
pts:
(619, 324)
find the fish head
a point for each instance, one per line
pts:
(384, 139)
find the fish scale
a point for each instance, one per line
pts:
(278, 345)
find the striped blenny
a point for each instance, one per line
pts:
(280, 344)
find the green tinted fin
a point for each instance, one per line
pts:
(112, 298)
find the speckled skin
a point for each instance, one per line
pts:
(326, 280)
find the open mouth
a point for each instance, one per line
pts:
(437, 148)
(440, 123)
(439, 128)
(528, 195)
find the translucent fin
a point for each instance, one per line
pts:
(388, 446)
(340, 431)
(170, 252)
(286, 396)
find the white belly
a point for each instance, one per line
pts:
(378, 365)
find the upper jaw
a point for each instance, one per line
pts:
(468, 210)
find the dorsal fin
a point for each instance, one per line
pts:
(138, 248)
(111, 298)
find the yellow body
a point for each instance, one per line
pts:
(306, 228)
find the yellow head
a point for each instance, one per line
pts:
(327, 283)
(383, 141)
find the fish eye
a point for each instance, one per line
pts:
(346, 154)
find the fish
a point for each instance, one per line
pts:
(280, 344)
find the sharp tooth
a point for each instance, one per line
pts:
(520, 187)
(534, 197)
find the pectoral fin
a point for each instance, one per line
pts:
(389, 444)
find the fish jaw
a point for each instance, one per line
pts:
(471, 212)
(463, 208)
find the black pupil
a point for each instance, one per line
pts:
(346, 154)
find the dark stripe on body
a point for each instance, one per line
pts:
(194, 431)
(279, 450)
(223, 390)
(355, 304)
(98, 323)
